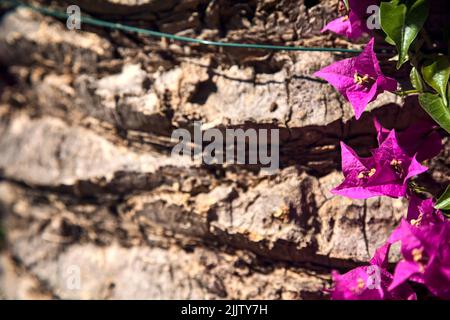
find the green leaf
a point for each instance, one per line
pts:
(436, 73)
(434, 105)
(402, 22)
(389, 41)
(443, 203)
(448, 93)
(416, 79)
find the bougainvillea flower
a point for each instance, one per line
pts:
(359, 7)
(352, 25)
(369, 283)
(358, 79)
(426, 256)
(421, 138)
(386, 172)
(349, 26)
(422, 212)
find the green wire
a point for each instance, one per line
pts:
(119, 26)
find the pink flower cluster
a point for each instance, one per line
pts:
(358, 79)
(353, 24)
(425, 233)
(392, 164)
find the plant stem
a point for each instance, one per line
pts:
(406, 93)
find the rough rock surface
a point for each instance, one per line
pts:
(88, 184)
